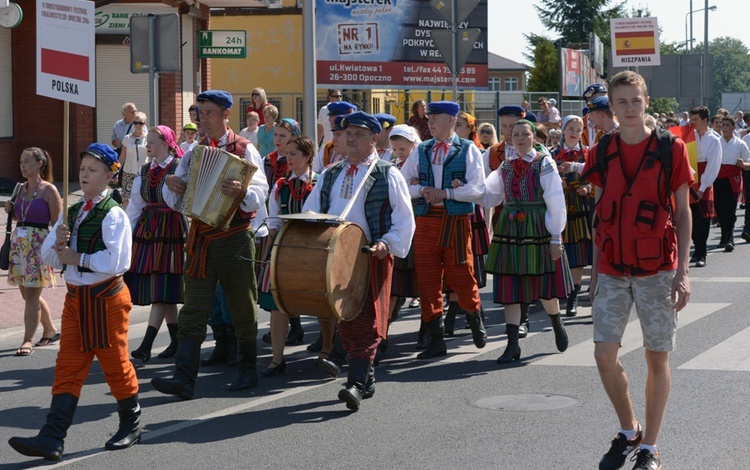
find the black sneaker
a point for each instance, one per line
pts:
(619, 451)
(645, 460)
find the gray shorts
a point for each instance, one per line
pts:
(614, 298)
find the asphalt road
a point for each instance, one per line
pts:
(461, 412)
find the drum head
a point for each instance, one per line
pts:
(308, 215)
(348, 271)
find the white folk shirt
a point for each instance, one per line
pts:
(471, 191)
(709, 151)
(552, 192)
(255, 196)
(733, 150)
(399, 236)
(114, 260)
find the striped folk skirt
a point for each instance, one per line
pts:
(520, 259)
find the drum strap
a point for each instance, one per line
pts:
(349, 206)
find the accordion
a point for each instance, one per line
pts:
(203, 200)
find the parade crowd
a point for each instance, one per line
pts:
(441, 200)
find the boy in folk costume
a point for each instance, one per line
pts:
(94, 244)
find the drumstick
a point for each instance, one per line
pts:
(367, 250)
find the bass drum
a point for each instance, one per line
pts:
(318, 268)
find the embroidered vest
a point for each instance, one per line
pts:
(89, 238)
(497, 155)
(287, 203)
(454, 167)
(377, 205)
(153, 194)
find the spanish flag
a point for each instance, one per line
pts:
(635, 43)
(687, 134)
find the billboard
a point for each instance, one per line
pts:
(388, 44)
(576, 72)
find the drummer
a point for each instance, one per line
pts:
(384, 212)
(218, 256)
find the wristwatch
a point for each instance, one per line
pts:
(11, 16)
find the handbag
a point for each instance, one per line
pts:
(5, 250)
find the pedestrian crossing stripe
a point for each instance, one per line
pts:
(730, 354)
(582, 354)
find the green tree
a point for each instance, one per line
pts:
(543, 75)
(575, 20)
(731, 67)
(663, 105)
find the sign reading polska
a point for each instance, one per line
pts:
(65, 51)
(222, 44)
(635, 42)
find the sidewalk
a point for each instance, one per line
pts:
(11, 302)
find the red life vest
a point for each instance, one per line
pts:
(635, 232)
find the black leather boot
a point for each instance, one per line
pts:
(247, 377)
(129, 432)
(571, 309)
(450, 318)
(476, 323)
(397, 309)
(172, 348)
(523, 327)
(144, 350)
(370, 384)
(334, 361)
(512, 350)
(354, 389)
(561, 337)
(49, 443)
(423, 338)
(220, 354)
(437, 347)
(186, 360)
(296, 333)
(316, 345)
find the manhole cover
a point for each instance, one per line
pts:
(526, 402)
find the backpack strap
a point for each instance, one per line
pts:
(602, 159)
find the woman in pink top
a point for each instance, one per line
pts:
(36, 204)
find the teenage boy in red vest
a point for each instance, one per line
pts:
(642, 237)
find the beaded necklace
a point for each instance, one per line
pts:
(26, 205)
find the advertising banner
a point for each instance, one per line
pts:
(388, 43)
(576, 72)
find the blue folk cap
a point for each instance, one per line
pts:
(511, 111)
(337, 126)
(585, 111)
(531, 117)
(600, 102)
(360, 119)
(220, 97)
(593, 89)
(340, 108)
(443, 107)
(386, 120)
(105, 154)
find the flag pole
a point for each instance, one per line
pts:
(66, 158)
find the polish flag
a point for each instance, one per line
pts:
(65, 64)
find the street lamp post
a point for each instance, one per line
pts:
(689, 42)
